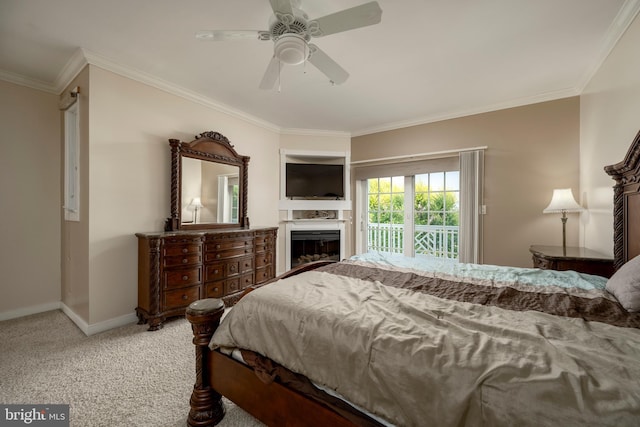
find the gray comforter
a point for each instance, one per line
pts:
(389, 340)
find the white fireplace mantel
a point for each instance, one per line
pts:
(313, 224)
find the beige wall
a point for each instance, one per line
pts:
(531, 150)
(609, 121)
(30, 205)
(129, 177)
(318, 142)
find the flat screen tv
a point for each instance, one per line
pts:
(310, 180)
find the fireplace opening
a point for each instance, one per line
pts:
(314, 245)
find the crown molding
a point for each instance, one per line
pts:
(71, 69)
(26, 81)
(618, 27)
(315, 132)
(150, 80)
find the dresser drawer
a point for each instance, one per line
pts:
(173, 250)
(178, 260)
(215, 289)
(182, 240)
(182, 277)
(232, 268)
(264, 239)
(181, 297)
(246, 280)
(263, 259)
(214, 272)
(231, 253)
(246, 264)
(264, 274)
(224, 244)
(231, 285)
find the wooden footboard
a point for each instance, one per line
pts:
(217, 375)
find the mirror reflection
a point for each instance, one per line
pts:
(210, 192)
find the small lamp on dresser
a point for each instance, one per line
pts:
(562, 202)
(196, 203)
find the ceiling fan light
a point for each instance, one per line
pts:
(291, 49)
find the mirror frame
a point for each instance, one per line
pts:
(210, 147)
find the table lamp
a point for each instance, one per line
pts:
(197, 204)
(562, 201)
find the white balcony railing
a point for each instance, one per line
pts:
(430, 240)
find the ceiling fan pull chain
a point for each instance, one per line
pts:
(306, 57)
(279, 73)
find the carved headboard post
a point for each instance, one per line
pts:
(626, 205)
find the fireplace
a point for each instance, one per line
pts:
(314, 245)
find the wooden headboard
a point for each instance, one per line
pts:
(626, 205)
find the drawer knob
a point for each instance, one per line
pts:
(216, 271)
(215, 289)
(185, 260)
(185, 277)
(217, 255)
(184, 297)
(185, 250)
(218, 246)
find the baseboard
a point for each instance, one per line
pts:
(26, 311)
(96, 328)
(88, 329)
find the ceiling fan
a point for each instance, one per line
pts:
(291, 30)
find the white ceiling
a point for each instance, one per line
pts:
(427, 60)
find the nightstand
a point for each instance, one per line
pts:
(578, 259)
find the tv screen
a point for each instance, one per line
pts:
(314, 180)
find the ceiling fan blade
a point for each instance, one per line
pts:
(271, 74)
(328, 66)
(230, 35)
(281, 6)
(348, 19)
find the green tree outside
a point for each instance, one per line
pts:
(432, 208)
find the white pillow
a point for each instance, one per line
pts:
(625, 285)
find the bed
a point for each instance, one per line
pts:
(384, 340)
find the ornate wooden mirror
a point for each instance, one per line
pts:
(208, 184)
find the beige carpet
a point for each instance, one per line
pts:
(123, 377)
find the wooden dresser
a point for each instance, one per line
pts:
(178, 267)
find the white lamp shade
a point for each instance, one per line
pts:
(562, 201)
(196, 203)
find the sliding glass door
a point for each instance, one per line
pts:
(385, 214)
(414, 215)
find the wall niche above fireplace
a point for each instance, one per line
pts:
(329, 193)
